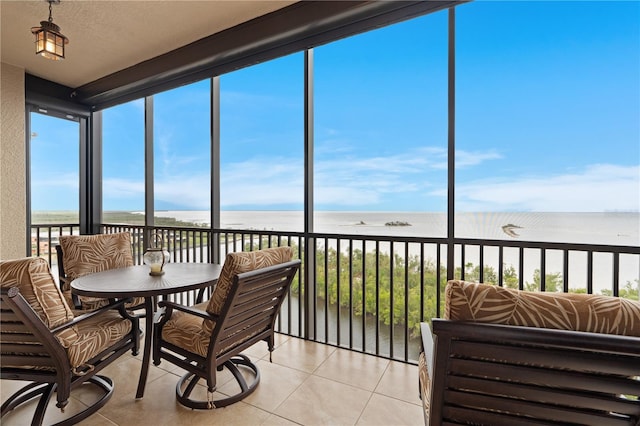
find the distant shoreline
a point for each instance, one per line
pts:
(605, 228)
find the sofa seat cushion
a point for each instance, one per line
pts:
(565, 311)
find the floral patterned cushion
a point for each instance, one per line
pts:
(87, 254)
(237, 263)
(565, 311)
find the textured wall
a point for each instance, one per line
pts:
(13, 195)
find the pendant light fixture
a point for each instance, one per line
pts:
(49, 40)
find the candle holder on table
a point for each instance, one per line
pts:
(156, 256)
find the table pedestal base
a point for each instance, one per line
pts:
(148, 342)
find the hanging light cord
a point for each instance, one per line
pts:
(50, 18)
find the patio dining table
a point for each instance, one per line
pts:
(135, 281)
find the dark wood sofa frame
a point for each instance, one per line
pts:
(485, 373)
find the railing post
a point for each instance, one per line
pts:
(309, 263)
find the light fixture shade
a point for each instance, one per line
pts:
(50, 41)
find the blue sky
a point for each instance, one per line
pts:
(547, 99)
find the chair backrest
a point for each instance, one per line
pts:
(87, 254)
(32, 305)
(238, 263)
(251, 308)
(32, 276)
(25, 341)
(80, 255)
(467, 301)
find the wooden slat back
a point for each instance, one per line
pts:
(253, 304)
(496, 374)
(21, 334)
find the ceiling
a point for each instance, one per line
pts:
(106, 36)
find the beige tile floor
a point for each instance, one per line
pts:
(307, 384)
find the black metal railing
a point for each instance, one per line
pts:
(44, 238)
(369, 294)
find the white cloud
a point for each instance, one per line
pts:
(191, 191)
(122, 188)
(374, 181)
(466, 159)
(599, 187)
(266, 181)
(60, 181)
(271, 181)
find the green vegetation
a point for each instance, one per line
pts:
(629, 291)
(54, 217)
(110, 217)
(347, 286)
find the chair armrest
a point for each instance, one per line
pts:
(428, 345)
(188, 309)
(118, 304)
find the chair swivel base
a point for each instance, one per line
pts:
(183, 392)
(46, 392)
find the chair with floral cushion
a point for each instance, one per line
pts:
(43, 343)
(503, 356)
(242, 311)
(80, 255)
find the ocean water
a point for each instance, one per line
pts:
(608, 228)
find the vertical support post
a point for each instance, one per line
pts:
(149, 208)
(27, 180)
(95, 130)
(451, 144)
(309, 263)
(214, 243)
(90, 167)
